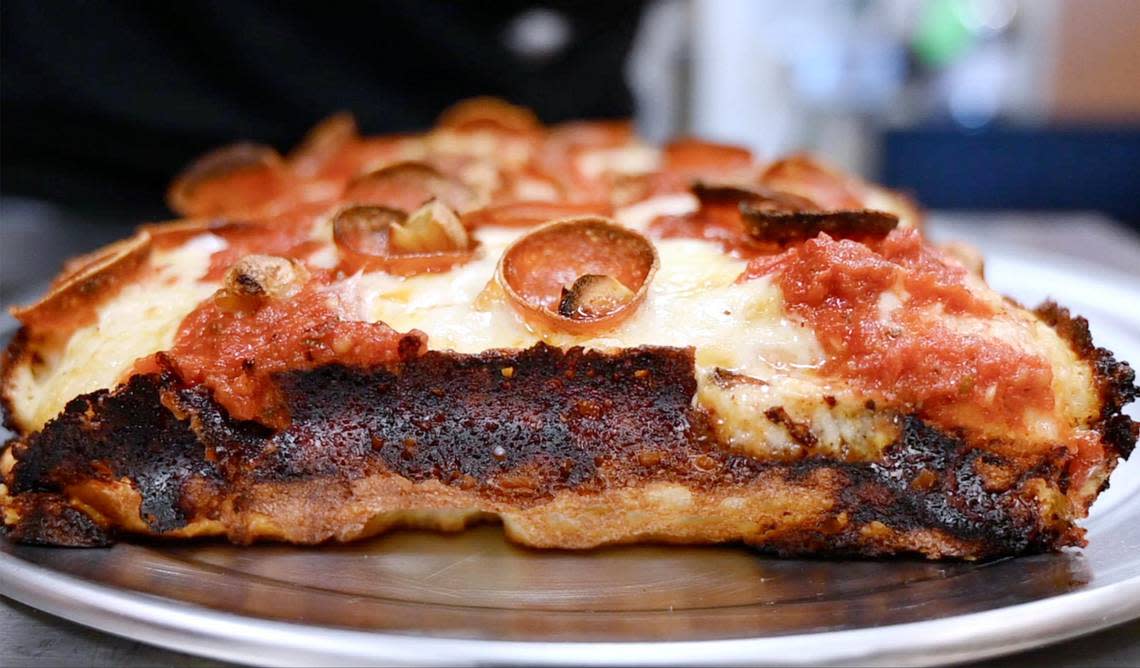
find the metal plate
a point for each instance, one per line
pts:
(413, 597)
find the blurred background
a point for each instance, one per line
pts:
(970, 105)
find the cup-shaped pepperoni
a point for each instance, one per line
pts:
(488, 113)
(558, 151)
(788, 227)
(242, 178)
(578, 275)
(593, 296)
(377, 238)
(807, 177)
(696, 156)
(86, 282)
(324, 144)
(759, 197)
(532, 213)
(407, 186)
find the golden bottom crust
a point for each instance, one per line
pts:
(774, 513)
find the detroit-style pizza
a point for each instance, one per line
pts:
(585, 337)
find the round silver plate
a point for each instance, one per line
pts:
(421, 598)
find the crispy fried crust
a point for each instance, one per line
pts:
(1115, 379)
(544, 438)
(17, 351)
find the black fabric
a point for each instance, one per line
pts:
(104, 101)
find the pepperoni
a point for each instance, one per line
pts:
(240, 178)
(488, 113)
(750, 221)
(639, 187)
(407, 186)
(719, 219)
(807, 177)
(698, 157)
(324, 144)
(528, 214)
(735, 193)
(783, 228)
(557, 155)
(85, 283)
(536, 269)
(285, 235)
(719, 222)
(363, 236)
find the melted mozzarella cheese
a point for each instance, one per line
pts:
(694, 300)
(638, 216)
(487, 146)
(634, 159)
(140, 320)
(762, 418)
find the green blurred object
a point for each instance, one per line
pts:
(941, 34)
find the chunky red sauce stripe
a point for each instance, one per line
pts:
(235, 351)
(909, 357)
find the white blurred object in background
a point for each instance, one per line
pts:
(830, 75)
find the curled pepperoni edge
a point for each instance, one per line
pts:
(538, 314)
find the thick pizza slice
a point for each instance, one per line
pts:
(587, 338)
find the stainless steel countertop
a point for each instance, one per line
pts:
(34, 238)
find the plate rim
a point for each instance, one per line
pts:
(203, 631)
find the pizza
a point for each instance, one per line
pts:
(564, 329)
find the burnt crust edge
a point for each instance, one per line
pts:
(1115, 379)
(14, 352)
(50, 519)
(185, 460)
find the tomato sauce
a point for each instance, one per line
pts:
(908, 358)
(236, 351)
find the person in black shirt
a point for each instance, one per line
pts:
(103, 102)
